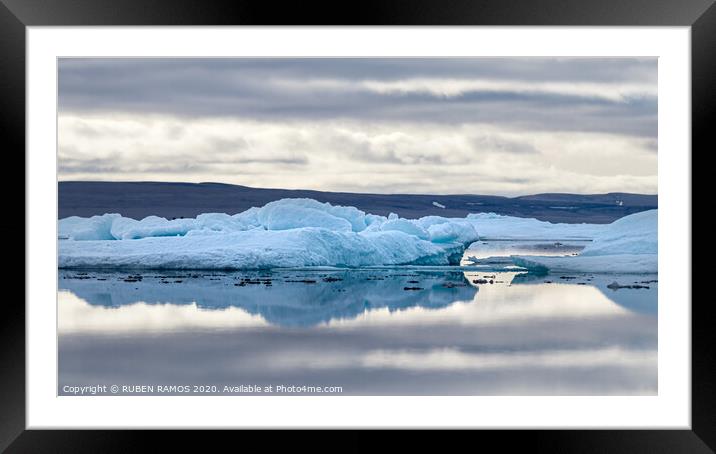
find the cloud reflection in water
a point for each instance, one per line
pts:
(363, 332)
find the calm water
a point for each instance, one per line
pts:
(396, 331)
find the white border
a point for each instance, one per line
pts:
(670, 409)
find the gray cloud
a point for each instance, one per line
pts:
(315, 89)
(501, 145)
(497, 125)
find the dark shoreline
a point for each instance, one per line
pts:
(173, 200)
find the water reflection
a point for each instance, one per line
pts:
(376, 332)
(390, 331)
(481, 250)
(293, 298)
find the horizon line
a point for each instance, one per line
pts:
(354, 192)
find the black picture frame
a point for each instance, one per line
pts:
(16, 15)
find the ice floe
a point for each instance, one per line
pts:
(284, 233)
(496, 226)
(306, 233)
(628, 245)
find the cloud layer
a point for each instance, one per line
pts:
(502, 126)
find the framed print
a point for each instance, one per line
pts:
(404, 218)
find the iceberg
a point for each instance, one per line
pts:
(94, 228)
(290, 233)
(287, 214)
(283, 233)
(496, 226)
(130, 229)
(405, 226)
(633, 234)
(627, 245)
(444, 230)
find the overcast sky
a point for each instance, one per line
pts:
(509, 126)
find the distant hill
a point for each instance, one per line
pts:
(173, 200)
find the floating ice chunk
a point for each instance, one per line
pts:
(615, 263)
(258, 248)
(210, 223)
(374, 222)
(443, 230)
(353, 215)
(427, 221)
(296, 213)
(94, 228)
(248, 217)
(628, 245)
(496, 226)
(460, 232)
(287, 217)
(633, 234)
(305, 232)
(406, 226)
(151, 226)
(219, 221)
(285, 233)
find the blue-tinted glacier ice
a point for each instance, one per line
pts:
(284, 233)
(627, 245)
(94, 228)
(305, 232)
(496, 226)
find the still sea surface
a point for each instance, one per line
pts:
(481, 329)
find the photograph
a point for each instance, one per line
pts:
(357, 226)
